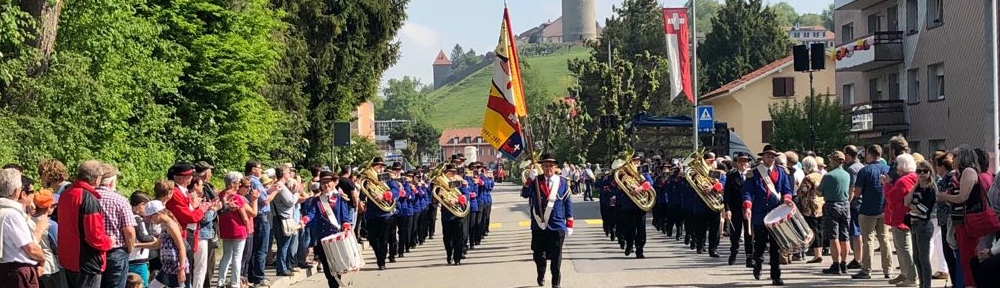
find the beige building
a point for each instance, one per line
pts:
(364, 120)
(810, 34)
(743, 104)
(920, 68)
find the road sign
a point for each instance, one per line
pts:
(706, 118)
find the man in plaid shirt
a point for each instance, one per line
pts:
(120, 226)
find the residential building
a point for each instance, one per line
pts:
(811, 34)
(465, 140)
(892, 61)
(364, 120)
(382, 128)
(744, 102)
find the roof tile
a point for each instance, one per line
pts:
(749, 77)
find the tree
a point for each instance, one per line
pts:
(745, 37)
(827, 16)
(421, 139)
(792, 121)
(706, 10)
(811, 19)
(536, 96)
(456, 53)
(404, 100)
(361, 149)
(785, 14)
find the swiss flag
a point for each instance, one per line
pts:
(675, 26)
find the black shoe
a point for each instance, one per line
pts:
(639, 255)
(861, 275)
(833, 270)
(306, 266)
(843, 268)
(381, 268)
(392, 260)
(621, 244)
(463, 256)
(700, 250)
(777, 282)
(449, 261)
(430, 237)
(732, 259)
(287, 274)
(458, 263)
(713, 254)
(756, 272)
(854, 265)
(541, 281)
(749, 263)
(628, 250)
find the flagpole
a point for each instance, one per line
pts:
(694, 60)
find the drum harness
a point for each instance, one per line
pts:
(325, 204)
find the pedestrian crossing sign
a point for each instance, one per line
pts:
(706, 119)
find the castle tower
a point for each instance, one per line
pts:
(579, 20)
(442, 69)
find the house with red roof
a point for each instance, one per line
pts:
(468, 141)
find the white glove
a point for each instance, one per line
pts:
(569, 231)
(532, 173)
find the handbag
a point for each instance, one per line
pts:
(290, 226)
(985, 221)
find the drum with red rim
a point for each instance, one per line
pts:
(788, 228)
(343, 253)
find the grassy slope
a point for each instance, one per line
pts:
(462, 104)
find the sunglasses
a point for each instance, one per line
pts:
(923, 171)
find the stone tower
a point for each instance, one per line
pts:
(579, 20)
(442, 69)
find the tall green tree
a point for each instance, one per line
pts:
(814, 123)
(421, 139)
(827, 16)
(785, 14)
(811, 19)
(706, 10)
(404, 100)
(746, 36)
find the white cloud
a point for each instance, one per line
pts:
(419, 35)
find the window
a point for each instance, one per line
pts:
(783, 86)
(935, 82)
(766, 129)
(796, 34)
(893, 83)
(911, 16)
(913, 86)
(847, 33)
(874, 91)
(935, 13)
(892, 18)
(466, 139)
(848, 94)
(874, 24)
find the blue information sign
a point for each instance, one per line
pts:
(706, 118)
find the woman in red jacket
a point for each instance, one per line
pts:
(895, 212)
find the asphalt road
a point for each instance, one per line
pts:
(589, 260)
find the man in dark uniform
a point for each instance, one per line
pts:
(475, 216)
(704, 221)
(675, 212)
(631, 218)
(397, 241)
(660, 210)
(766, 189)
(381, 222)
(551, 217)
(733, 196)
(485, 200)
(451, 225)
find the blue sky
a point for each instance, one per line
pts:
(433, 25)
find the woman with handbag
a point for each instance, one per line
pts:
(971, 198)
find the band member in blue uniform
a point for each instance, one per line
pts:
(451, 225)
(475, 216)
(603, 186)
(660, 210)
(733, 196)
(485, 200)
(380, 222)
(762, 192)
(327, 215)
(631, 218)
(551, 217)
(675, 212)
(396, 239)
(432, 208)
(408, 241)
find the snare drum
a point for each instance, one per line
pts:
(343, 253)
(788, 228)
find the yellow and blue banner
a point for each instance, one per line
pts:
(501, 126)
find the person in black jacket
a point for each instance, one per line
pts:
(733, 196)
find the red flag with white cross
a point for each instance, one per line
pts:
(675, 26)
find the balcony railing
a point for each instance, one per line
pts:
(871, 52)
(878, 115)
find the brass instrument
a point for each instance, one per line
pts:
(700, 176)
(374, 188)
(530, 164)
(446, 193)
(626, 177)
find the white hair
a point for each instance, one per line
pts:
(232, 178)
(809, 165)
(107, 181)
(906, 163)
(781, 159)
(10, 182)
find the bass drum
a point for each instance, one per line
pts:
(788, 228)
(343, 253)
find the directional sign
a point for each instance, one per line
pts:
(706, 118)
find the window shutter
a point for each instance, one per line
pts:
(789, 86)
(777, 87)
(766, 129)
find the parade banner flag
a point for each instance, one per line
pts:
(678, 52)
(501, 127)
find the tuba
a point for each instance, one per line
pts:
(446, 193)
(374, 188)
(702, 180)
(530, 164)
(627, 178)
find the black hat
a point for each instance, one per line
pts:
(397, 166)
(455, 157)
(327, 175)
(768, 149)
(410, 173)
(708, 155)
(636, 157)
(742, 156)
(547, 158)
(450, 168)
(461, 156)
(181, 168)
(476, 164)
(378, 161)
(201, 166)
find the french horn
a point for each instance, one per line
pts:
(446, 193)
(700, 176)
(374, 188)
(530, 164)
(627, 178)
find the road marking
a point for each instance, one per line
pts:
(594, 221)
(498, 225)
(524, 223)
(495, 225)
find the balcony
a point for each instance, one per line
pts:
(854, 4)
(877, 119)
(871, 52)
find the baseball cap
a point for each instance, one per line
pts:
(154, 207)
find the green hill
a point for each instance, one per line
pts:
(462, 104)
